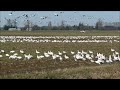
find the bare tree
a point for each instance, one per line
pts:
(15, 23)
(62, 25)
(99, 24)
(49, 25)
(28, 25)
(9, 22)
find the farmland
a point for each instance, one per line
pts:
(58, 41)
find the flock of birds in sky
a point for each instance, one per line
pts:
(98, 58)
(27, 17)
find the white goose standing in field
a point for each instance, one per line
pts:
(7, 55)
(50, 52)
(46, 54)
(83, 52)
(116, 53)
(116, 57)
(90, 52)
(78, 57)
(83, 57)
(18, 57)
(59, 53)
(61, 59)
(28, 57)
(97, 62)
(112, 50)
(54, 56)
(88, 57)
(78, 52)
(2, 51)
(109, 60)
(37, 52)
(1, 56)
(64, 52)
(40, 57)
(66, 57)
(98, 55)
(15, 54)
(103, 57)
(12, 57)
(21, 51)
(12, 51)
(92, 60)
(72, 52)
(92, 56)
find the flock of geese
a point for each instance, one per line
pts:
(63, 39)
(98, 58)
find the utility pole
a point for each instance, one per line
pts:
(28, 25)
(28, 22)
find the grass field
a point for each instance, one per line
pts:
(60, 32)
(67, 69)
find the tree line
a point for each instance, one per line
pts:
(29, 26)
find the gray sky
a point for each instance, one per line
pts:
(71, 17)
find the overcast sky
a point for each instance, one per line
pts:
(70, 17)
